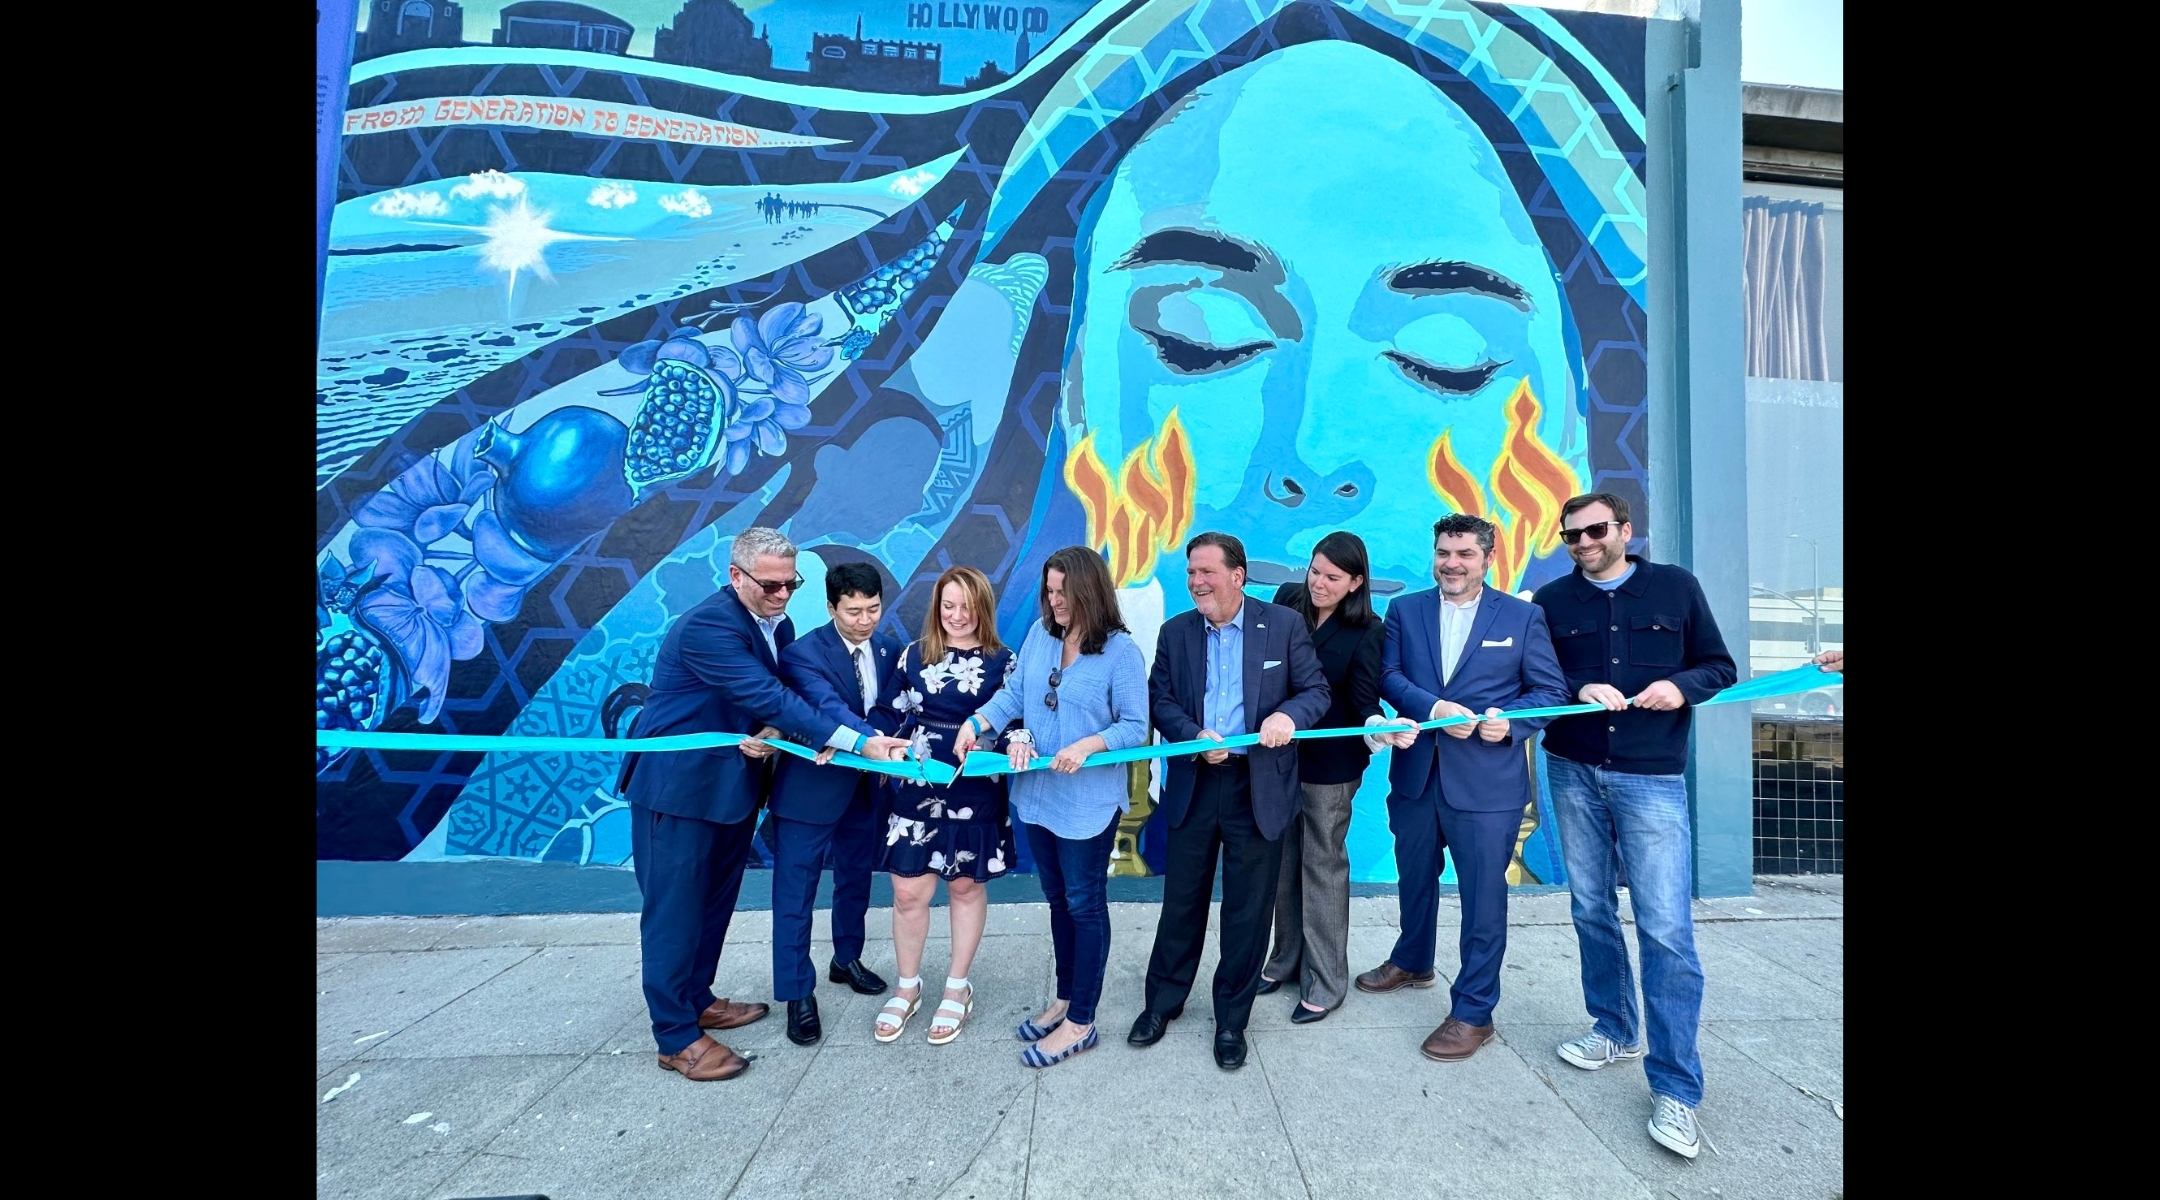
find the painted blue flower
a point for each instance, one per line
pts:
(495, 591)
(774, 357)
(419, 610)
(429, 500)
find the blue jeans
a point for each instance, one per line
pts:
(1075, 875)
(1607, 819)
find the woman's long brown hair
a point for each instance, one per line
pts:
(1089, 597)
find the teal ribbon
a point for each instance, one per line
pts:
(930, 771)
(1783, 683)
(982, 762)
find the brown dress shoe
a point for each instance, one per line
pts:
(705, 1060)
(1388, 977)
(727, 1014)
(1455, 1041)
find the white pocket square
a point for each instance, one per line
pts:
(1506, 641)
(1271, 664)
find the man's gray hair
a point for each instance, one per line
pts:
(756, 542)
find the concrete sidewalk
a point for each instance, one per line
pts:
(512, 1055)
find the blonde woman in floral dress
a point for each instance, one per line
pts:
(961, 832)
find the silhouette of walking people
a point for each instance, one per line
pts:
(774, 209)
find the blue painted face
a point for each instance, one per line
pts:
(1321, 278)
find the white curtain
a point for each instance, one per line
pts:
(1787, 274)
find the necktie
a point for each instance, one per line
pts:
(862, 676)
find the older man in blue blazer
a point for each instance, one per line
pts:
(841, 668)
(692, 812)
(1463, 649)
(1232, 665)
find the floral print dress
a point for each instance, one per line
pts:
(965, 827)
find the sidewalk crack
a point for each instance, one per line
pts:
(983, 1145)
(779, 1111)
(1027, 1169)
(1296, 1159)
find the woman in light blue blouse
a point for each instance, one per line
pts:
(1080, 688)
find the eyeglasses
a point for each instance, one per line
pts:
(1057, 676)
(774, 589)
(1595, 533)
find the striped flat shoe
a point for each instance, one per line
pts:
(1029, 1031)
(1034, 1057)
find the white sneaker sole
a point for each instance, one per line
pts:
(1673, 1144)
(1596, 1064)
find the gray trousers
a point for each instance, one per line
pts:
(1312, 897)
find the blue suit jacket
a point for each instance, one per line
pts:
(1475, 775)
(1177, 692)
(714, 675)
(816, 666)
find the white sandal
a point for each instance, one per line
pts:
(945, 1007)
(898, 1006)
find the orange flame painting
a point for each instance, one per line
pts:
(1529, 484)
(1143, 510)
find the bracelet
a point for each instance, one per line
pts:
(1021, 736)
(976, 722)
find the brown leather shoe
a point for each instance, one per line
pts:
(1388, 977)
(727, 1014)
(704, 1060)
(1455, 1041)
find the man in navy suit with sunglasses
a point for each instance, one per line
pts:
(693, 811)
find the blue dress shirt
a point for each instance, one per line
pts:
(1224, 708)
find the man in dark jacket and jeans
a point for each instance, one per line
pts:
(1637, 637)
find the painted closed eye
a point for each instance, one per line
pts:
(1193, 358)
(1203, 330)
(1444, 380)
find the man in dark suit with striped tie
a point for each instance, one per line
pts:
(841, 668)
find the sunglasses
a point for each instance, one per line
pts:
(1595, 533)
(1057, 676)
(774, 589)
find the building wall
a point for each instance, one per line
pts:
(934, 331)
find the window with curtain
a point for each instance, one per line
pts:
(1794, 275)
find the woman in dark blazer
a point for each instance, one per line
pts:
(1312, 895)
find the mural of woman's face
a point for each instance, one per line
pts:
(1320, 280)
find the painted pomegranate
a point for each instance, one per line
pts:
(559, 482)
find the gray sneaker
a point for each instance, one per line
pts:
(1673, 1127)
(1594, 1050)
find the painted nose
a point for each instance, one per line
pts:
(1345, 488)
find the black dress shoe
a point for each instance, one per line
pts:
(1151, 1025)
(1302, 1015)
(857, 976)
(1229, 1049)
(1268, 987)
(803, 1028)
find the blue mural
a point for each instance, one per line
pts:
(596, 300)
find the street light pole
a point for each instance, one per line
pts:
(1815, 604)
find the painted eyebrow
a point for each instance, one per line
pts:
(1197, 248)
(1440, 278)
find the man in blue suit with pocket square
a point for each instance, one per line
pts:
(1462, 649)
(841, 668)
(693, 811)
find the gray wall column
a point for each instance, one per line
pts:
(1708, 507)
